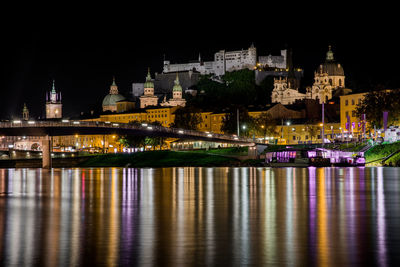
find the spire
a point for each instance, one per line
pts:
(329, 54)
(148, 77)
(53, 90)
(149, 83)
(199, 57)
(113, 83)
(177, 79)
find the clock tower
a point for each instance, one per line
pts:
(53, 104)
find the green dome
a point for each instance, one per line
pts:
(177, 86)
(148, 83)
(111, 100)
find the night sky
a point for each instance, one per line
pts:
(82, 58)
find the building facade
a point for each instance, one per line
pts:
(328, 79)
(148, 98)
(283, 92)
(349, 121)
(177, 99)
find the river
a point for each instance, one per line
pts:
(200, 216)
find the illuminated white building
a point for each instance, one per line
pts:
(284, 93)
(225, 61)
(176, 99)
(53, 104)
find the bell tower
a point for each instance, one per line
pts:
(25, 113)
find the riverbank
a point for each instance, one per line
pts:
(384, 155)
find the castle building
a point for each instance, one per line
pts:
(177, 99)
(53, 104)
(328, 79)
(148, 98)
(110, 100)
(25, 113)
(271, 61)
(225, 61)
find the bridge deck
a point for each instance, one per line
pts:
(66, 127)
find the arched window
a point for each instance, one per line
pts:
(340, 82)
(326, 99)
(330, 81)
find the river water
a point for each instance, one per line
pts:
(200, 216)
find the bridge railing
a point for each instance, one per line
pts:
(150, 127)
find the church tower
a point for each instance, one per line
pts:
(176, 99)
(53, 104)
(328, 78)
(148, 98)
(25, 113)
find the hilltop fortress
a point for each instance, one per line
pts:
(225, 61)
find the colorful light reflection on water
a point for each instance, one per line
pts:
(200, 216)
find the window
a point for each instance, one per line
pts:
(353, 113)
(346, 103)
(352, 102)
(294, 137)
(306, 137)
(319, 137)
(347, 113)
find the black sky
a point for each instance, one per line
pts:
(82, 57)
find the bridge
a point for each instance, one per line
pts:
(69, 127)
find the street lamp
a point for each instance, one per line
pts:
(288, 124)
(321, 132)
(262, 127)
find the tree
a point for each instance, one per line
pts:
(187, 118)
(264, 90)
(132, 141)
(237, 88)
(265, 125)
(375, 103)
(312, 130)
(247, 123)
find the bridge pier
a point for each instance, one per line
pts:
(46, 153)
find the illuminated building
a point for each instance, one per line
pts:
(53, 104)
(177, 99)
(110, 100)
(348, 105)
(25, 113)
(148, 98)
(284, 93)
(328, 80)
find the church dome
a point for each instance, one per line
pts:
(112, 99)
(331, 67)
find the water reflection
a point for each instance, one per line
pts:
(200, 216)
